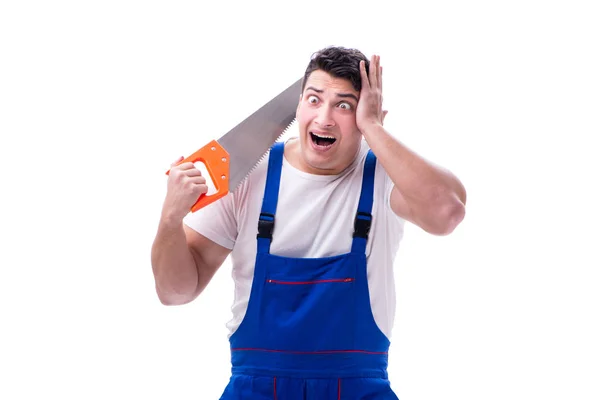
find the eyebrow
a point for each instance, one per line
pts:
(345, 95)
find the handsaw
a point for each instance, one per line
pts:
(232, 157)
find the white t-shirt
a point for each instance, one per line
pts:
(314, 218)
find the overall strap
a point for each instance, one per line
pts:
(362, 222)
(266, 221)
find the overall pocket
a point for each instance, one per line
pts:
(310, 315)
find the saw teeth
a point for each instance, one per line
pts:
(265, 154)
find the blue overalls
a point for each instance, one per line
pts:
(309, 332)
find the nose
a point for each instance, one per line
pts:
(325, 117)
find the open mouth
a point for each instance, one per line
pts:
(322, 140)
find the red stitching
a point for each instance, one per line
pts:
(339, 388)
(310, 352)
(275, 387)
(309, 282)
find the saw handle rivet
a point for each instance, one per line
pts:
(213, 148)
(224, 159)
(223, 177)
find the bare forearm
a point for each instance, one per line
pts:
(417, 179)
(173, 265)
(427, 195)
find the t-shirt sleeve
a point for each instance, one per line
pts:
(216, 221)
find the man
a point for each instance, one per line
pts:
(313, 233)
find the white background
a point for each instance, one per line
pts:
(98, 98)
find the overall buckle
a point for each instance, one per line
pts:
(362, 224)
(266, 224)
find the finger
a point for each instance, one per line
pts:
(196, 190)
(373, 71)
(384, 114)
(363, 75)
(377, 68)
(380, 80)
(193, 171)
(203, 189)
(185, 166)
(197, 179)
(177, 161)
(379, 71)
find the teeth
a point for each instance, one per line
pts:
(265, 154)
(323, 136)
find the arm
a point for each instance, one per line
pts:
(424, 194)
(183, 261)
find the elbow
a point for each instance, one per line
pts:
(166, 300)
(454, 218)
(173, 298)
(447, 218)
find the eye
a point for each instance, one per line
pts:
(345, 106)
(313, 99)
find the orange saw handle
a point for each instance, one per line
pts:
(216, 159)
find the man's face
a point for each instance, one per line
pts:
(326, 114)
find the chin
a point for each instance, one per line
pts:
(321, 162)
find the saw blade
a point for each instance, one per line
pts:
(249, 141)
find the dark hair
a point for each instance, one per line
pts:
(339, 62)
